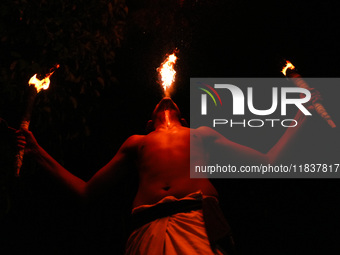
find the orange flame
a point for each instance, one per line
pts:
(167, 72)
(288, 65)
(44, 83)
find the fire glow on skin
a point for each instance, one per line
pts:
(167, 119)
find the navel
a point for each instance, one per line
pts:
(166, 188)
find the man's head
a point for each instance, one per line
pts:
(166, 104)
(166, 108)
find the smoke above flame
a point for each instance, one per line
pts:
(44, 83)
(288, 65)
(167, 73)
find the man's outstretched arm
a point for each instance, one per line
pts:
(105, 177)
(239, 153)
(285, 143)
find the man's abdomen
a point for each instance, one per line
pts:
(150, 192)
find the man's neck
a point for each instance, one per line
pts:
(168, 122)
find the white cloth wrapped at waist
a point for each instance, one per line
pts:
(181, 233)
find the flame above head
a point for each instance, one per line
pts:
(288, 65)
(167, 72)
(44, 83)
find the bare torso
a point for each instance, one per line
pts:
(164, 166)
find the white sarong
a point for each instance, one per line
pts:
(181, 233)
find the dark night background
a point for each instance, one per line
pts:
(105, 91)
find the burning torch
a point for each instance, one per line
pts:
(289, 71)
(35, 86)
(167, 73)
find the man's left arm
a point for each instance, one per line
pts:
(236, 153)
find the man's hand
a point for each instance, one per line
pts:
(26, 140)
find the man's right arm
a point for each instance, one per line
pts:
(110, 174)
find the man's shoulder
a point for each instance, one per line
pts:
(208, 133)
(134, 139)
(204, 130)
(132, 142)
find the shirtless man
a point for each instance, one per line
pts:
(162, 159)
